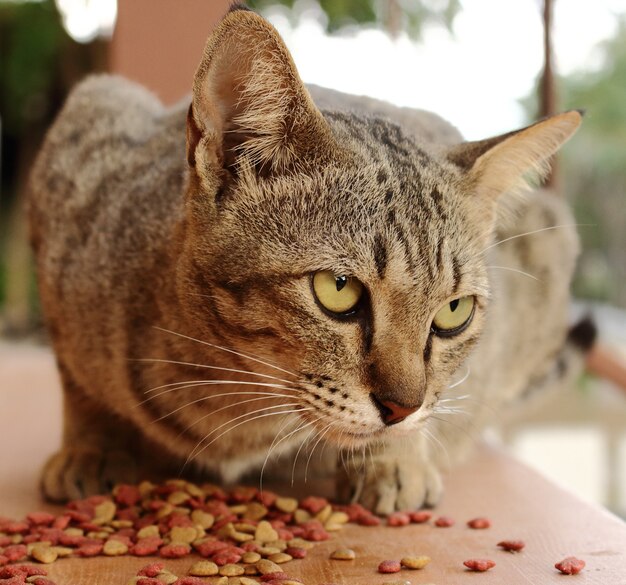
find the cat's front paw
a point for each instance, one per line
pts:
(391, 479)
(77, 472)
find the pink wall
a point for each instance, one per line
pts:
(159, 42)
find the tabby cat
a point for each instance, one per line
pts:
(227, 281)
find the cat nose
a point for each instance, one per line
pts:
(391, 412)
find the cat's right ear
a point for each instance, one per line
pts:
(500, 164)
(249, 107)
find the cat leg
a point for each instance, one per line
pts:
(94, 454)
(398, 474)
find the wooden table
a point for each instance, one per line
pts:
(520, 503)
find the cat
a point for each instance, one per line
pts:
(230, 279)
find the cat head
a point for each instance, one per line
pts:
(350, 255)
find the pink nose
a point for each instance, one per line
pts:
(391, 412)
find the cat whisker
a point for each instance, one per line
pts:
(198, 451)
(204, 398)
(226, 349)
(455, 398)
(304, 442)
(277, 442)
(204, 366)
(459, 382)
(221, 383)
(553, 227)
(308, 461)
(517, 271)
(432, 437)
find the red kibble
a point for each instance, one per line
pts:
(15, 527)
(284, 534)
(243, 494)
(570, 566)
(512, 545)
(127, 495)
(174, 551)
(40, 518)
(389, 567)
(479, 565)
(151, 570)
(420, 516)
(316, 535)
(398, 519)
(296, 552)
(369, 520)
(149, 581)
(61, 523)
(15, 552)
(18, 580)
(266, 498)
(225, 558)
(479, 523)
(3, 560)
(313, 504)
(147, 546)
(89, 549)
(444, 522)
(5, 541)
(26, 570)
(210, 547)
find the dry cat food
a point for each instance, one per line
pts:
(343, 554)
(231, 530)
(444, 522)
(512, 545)
(479, 523)
(479, 565)
(570, 566)
(414, 562)
(389, 567)
(20, 574)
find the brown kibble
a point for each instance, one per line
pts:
(63, 551)
(512, 545)
(251, 557)
(264, 566)
(248, 581)
(389, 567)
(222, 581)
(255, 511)
(343, 554)
(301, 543)
(44, 554)
(167, 578)
(104, 512)
(479, 565)
(114, 548)
(415, 562)
(266, 551)
(204, 569)
(231, 570)
(280, 558)
(149, 531)
(202, 518)
(570, 566)
(479, 523)
(287, 505)
(178, 498)
(301, 516)
(265, 533)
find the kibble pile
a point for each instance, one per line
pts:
(243, 535)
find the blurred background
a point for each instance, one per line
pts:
(487, 66)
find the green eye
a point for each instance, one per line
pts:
(454, 316)
(338, 294)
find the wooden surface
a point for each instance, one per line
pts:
(520, 503)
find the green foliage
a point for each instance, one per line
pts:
(411, 15)
(30, 40)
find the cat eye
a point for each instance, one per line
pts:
(337, 294)
(454, 317)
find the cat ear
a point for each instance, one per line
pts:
(249, 102)
(497, 165)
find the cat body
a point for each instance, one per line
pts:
(180, 289)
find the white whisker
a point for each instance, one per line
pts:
(223, 383)
(554, 227)
(306, 469)
(240, 354)
(304, 442)
(191, 457)
(516, 270)
(465, 377)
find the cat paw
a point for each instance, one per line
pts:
(385, 483)
(75, 473)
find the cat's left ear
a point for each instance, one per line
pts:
(497, 165)
(249, 104)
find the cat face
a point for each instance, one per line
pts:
(334, 246)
